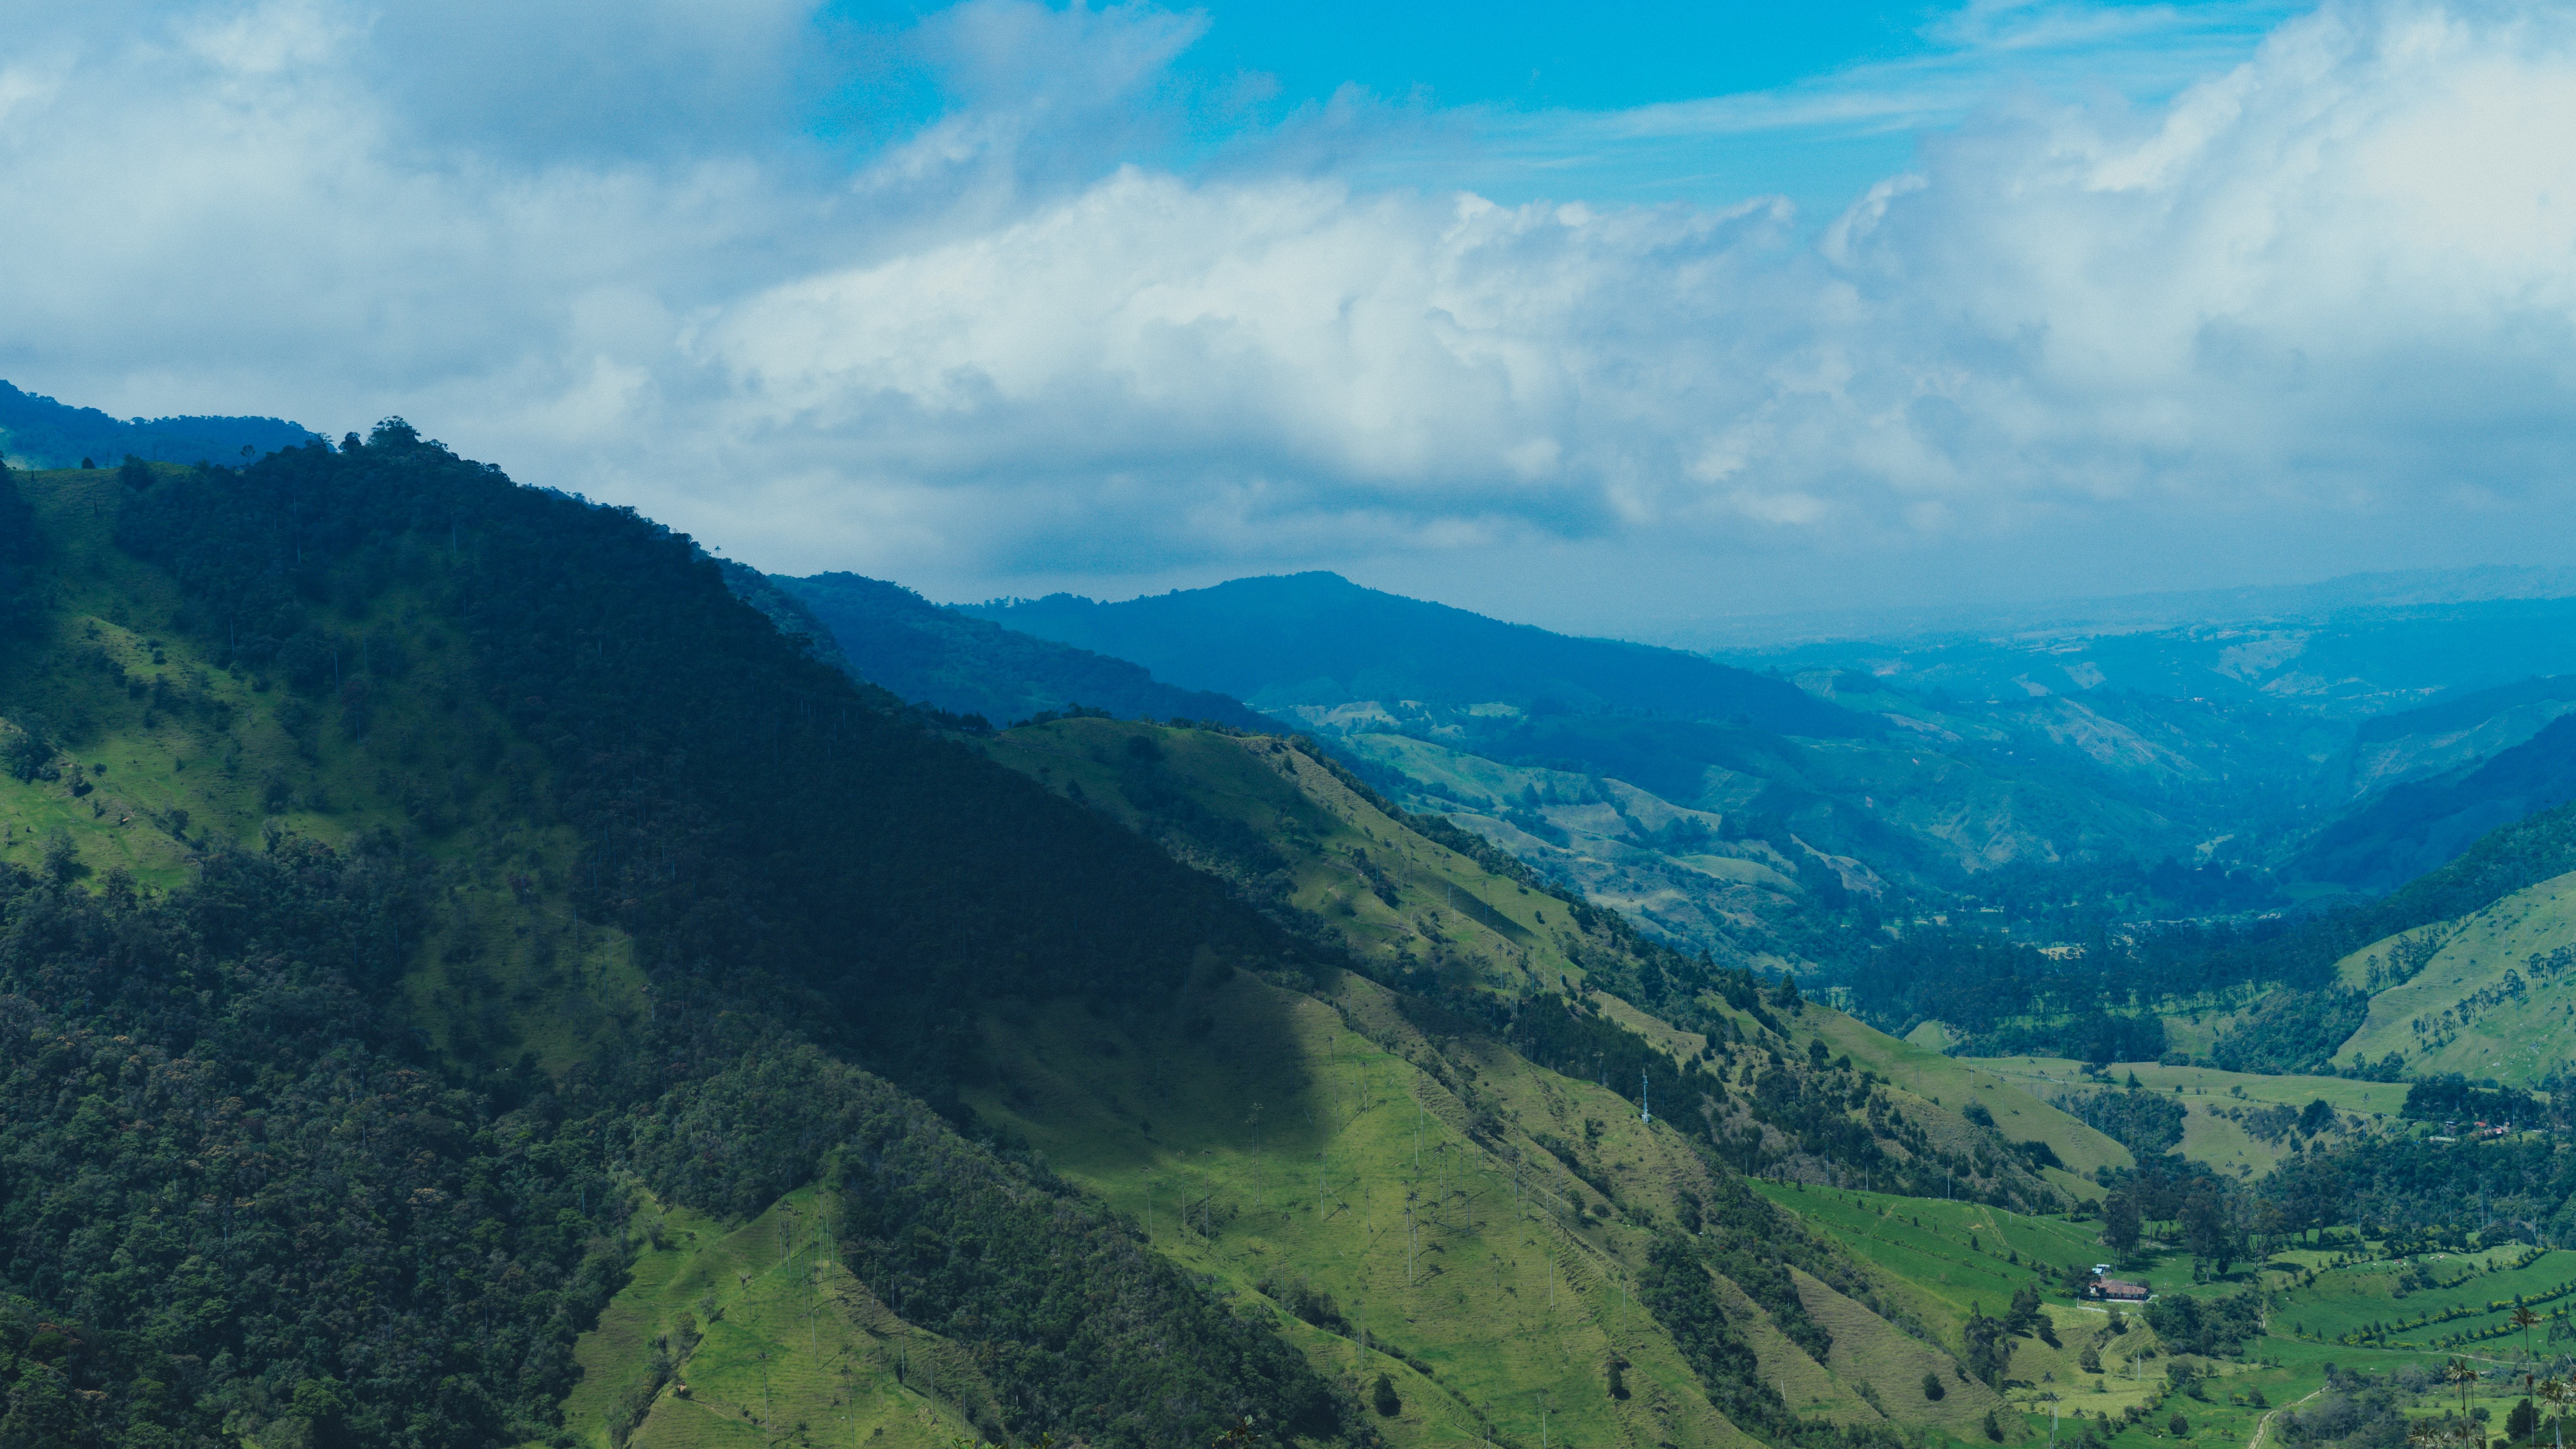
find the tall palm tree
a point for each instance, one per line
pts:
(2461, 1375)
(2555, 1392)
(2524, 1319)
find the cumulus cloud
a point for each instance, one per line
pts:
(2319, 301)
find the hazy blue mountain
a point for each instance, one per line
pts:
(2421, 825)
(39, 432)
(2413, 744)
(2348, 663)
(1317, 639)
(950, 660)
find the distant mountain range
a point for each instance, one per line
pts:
(1317, 639)
(39, 432)
(2422, 824)
(951, 660)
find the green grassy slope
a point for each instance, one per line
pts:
(768, 1340)
(2483, 1005)
(1290, 1080)
(1262, 813)
(1292, 831)
(2222, 1108)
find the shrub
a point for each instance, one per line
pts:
(1382, 1397)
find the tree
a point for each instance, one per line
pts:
(2120, 1221)
(2205, 1231)
(1990, 1348)
(2023, 1314)
(2179, 1426)
(1382, 1397)
(1932, 1388)
(2316, 1117)
(2524, 1319)
(2523, 1423)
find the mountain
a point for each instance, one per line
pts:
(39, 432)
(2390, 749)
(1739, 813)
(472, 978)
(1318, 640)
(954, 661)
(425, 883)
(2418, 826)
(2331, 654)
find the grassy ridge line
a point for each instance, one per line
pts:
(793, 1349)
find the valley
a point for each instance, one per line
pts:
(782, 1062)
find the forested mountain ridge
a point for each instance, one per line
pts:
(439, 918)
(547, 752)
(1319, 640)
(954, 661)
(36, 431)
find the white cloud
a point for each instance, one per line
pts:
(2320, 301)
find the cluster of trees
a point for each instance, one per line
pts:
(230, 1190)
(1076, 1324)
(2147, 1123)
(21, 545)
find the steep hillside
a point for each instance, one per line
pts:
(954, 661)
(2473, 995)
(2390, 749)
(1525, 1023)
(466, 864)
(486, 960)
(2420, 825)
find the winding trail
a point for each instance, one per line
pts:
(2264, 1426)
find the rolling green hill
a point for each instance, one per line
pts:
(2478, 1001)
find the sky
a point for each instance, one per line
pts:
(1625, 319)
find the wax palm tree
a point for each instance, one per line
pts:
(2555, 1392)
(2461, 1375)
(2524, 1319)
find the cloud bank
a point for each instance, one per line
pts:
(2312, 314)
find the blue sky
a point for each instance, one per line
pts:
(1624, 321)
(1641, 103)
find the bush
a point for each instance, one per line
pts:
(1382, 1397)
(1932, 1388)
(1994, 1429)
